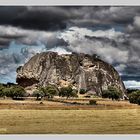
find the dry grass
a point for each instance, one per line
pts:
(51, 105)
(125, 121)
(31, 117)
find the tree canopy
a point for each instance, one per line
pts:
(49, 91)
(134, 97)
(112, 93)
(68, 92)
(14, 91)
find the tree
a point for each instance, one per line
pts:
(49, 91)
(1, 91)
(67, 92)
(74, 93)
(134, 97)
(7, 92)
(138, 100)
(82, 91)
(38, 94)
(52, 91)
(111, 93)
(92, 102)
(15, 92)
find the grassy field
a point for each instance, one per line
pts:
(70, 121)
(31, 117)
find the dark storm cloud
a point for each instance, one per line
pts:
(56, 42)
(94, 16)
(54, 18)
(8, 13)
(117, 48)
(4, 42)
(29, 37)
(102, 39)
(14, 36)
(38, 18)
(111, 32)
(130, 77)
(6, 39)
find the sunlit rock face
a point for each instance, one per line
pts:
(82, 71)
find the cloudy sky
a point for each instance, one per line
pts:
(111, 32)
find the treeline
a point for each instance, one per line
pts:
(112, 93)
(50, 91)
(13, 91)
(17, 92)
(134, 96)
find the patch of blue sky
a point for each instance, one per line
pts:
(17, 54)
(10, 77)
(119, 28)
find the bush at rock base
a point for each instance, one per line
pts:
(134, 97)
(68, 92)
(112, 93)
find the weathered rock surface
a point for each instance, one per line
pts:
(81, 70)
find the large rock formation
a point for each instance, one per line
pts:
(81, 70)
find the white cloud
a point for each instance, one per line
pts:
(105, 43)
(79, 33)
(132, 84)
(14, 56)
(59, 50)
(137, 21)
(78, 43)
(134, 26)
(30, 37)
(120, 68)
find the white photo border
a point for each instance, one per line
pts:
(72, 3)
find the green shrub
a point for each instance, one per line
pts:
(74, 93)
(52, 91)
(82, 91)
(68, 92)
(7, 92)
(38, 94)
(16, 92)
(134, 97)
(129, 90)
(1, 91)
(13, 91)
(138, 100)
(92, 102)
(112, 93)
(87, 96)
(49, 91)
